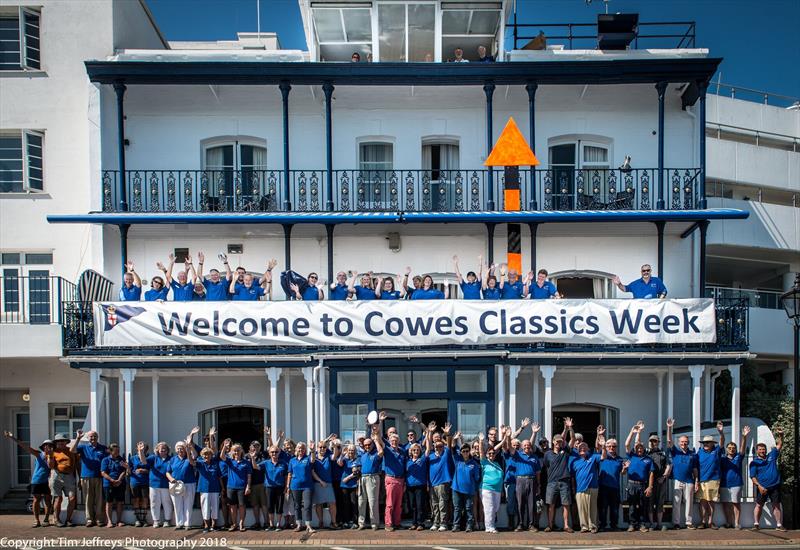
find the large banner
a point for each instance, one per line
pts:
(405, 323)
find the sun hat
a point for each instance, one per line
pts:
(61, 437)
(176, 488)
(46, 442)
(707, 439)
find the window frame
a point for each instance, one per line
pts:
(437, 17)
(22, 14)
(24, 135)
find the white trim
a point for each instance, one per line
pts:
(696, 372)
(154, 389)
(501, 396)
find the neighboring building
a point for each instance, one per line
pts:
(243, 148)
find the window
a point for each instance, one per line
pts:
(342, 31)
(471, 381)
(471, 419)
(467, 29)
(352, 382)
(428, 381)
(406, 32)
(351, 421)
(394, 381)
(375, 164)
(579, 171)
(68, 418)
(234, 168)
(440, 159)
(19, 40)
(21, 168)
(25, 292)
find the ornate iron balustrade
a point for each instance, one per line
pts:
(78, 337)
(398, 190)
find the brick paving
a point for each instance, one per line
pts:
(18, 526)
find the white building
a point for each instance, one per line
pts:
(244, 148)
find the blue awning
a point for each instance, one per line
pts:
(290, 218)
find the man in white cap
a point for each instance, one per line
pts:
(709, 456)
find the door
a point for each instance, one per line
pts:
(233, 171)
(376, 182)
(563, 159)
(584, 421)
(39, 297)
(440, 162)
(21, 468)
(240, 424)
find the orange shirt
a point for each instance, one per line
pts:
(65, 461)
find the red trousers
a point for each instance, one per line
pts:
(394, 500)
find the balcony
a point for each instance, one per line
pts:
(79, 339)
(415, 190)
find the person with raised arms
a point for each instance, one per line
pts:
(766, 477)
(183, 288)
(440, 468)
(641, 477)
(209, 485)
(114, 469)
(731, 479)
(350, 463)
(417, 479)
(240, 470)
(216, 287)
(685, 477)
(556, 463)
(390, 289)
(466, 480)
(301, 482)
(491, 482)
(40, 490)
(131, 289)
(363, 291)
(139, 475)
(429, 292)
(322, 493)
(181, 469)
(247, 290)
(91, 455)
(471, 287)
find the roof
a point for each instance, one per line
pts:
(289, 218)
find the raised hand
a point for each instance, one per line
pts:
(8, 434)
(160, 266)
(212, 432)
(382, 416)
(526, 422)
(408, 270)
(195, 430)
(568, 423)
(535, 427)
(601, 430)
(413, 418)
(458, 435)
(431, 426)
(272, 263)
(447, 427)
(267, 430)
(129, 266)
(201, 257)
(455, 258)
(746, 431)
(280, 434)
(481, 437)
(79, 434)
(670, 422)
(720, 427)
(601, 440)
(639, 426)
(140, 446)
(188, 259)
(222, 257)
(615, 279)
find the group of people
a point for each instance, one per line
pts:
(491, 282)
(458, 56)
(443, 481)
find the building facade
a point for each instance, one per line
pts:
(326, 165)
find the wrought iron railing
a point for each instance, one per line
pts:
(556, 188)
(766, 299)
(79, 337)
(32, 299)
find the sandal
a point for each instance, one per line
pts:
(242, 528)
(37, 524)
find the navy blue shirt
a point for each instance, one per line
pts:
(274, 473)
(300, 468)
(512, 291)
(650, 289)
(238, 470)
(112, 467)
(417, 471)
(370, 462)
(323, 467)
(245, 294)
(182, 293)
(339, 292)
(132, 294)
(394, 461)
(491, 293)
(440, 469)
(347, 470)
(471, 291)
(467, 475)
(547, 290)
(208, 476)
(137, 464)
(766, 470)
(429, 294)
(586, 472)
(216, 292)
(640, 468)
(524, 464)
(731, 471)
(310, 294)
(158, 471)
(90, 459)
(683, 464)
(152, 295)
(390, 295)
(610, 471)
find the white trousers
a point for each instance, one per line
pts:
(183, 505)
(491, 503)
(160, 498)
(209, 505)
(682, 492)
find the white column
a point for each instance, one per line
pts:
(128, 375)
(670, 393)
(120, 408)
(501, 396)
(547, 372)
(513, 372)
(660, 419)
(94, 404)
(708, 406)
(308, 374)
(155, 407)
(736, 428)
(287, 403)
(323, 404)
(273, 374)
(535, 404)
(696, 372)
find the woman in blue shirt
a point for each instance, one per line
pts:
(157, 292)
(301, 481)
(351, 472)
(275, 482)
(209, 485)
(323, 483)
(113, 469)
(39, 479)
(428, 292)
(489, 289)
(158, 464)
(491, 483)
(730, 491)
(466, 477)
(387, 290)
(417, 482)
(240, 471)
(140, 483)
(181, 468)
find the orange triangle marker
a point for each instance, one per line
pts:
(511, 149)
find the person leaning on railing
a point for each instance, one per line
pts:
(648, 286)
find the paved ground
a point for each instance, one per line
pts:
(16, 532)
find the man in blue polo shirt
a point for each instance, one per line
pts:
(394, 466)
(471, 288)
(440, 472)
(685, 477)
(131, 290)
(527, 472)
(586, 469)
(339, 288)
(541, 288)
(641, 477)
(647, 287)
(248, 290)
(513, 288)
(92, 454)
(767, 480)
(183, 288)
(369, 483)
(709, 456)
(216, 287)
(611, 468)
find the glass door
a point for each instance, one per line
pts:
(39, 297)
(22, 459)
(352, 421)
(563, 160)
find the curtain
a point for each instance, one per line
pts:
(215, 157)
(449, 157)
(597, 288)
(427, 159)
(595, 155)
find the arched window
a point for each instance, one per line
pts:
(440, 162)
(579, 164)
(591, 285)
(228, 160)
(375, 170)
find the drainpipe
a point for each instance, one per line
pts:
(314, 381)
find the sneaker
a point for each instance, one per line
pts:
(713, 526)
(310, 530)
(468, 529)
(691, 526)
(374, 527)
(455, 529)
(781, 528)
(755, 528)
(361, 527)
(420, 527)
(533, 529)
(389, 528)
(548, 529)
(644, 529)
(631, 528)
(584, 530)
(663, 528)
(442, 528)
(434, 527)
(59, 524)
(518, 528)
(137, 524)
(569, 530)
(90, 523)
(593, 530)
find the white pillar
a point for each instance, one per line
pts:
(308, 374)
(501, 396)
(708, 406)
(94, 404)
(273, 374)
(547, 372)
(535, 404)
(670, 393)
(120, 408)
(155, 407)
(696, 372)
(287, 403)
(513, 372)
(128, 375)
(660, 419)
(323, 404)
(736, 428)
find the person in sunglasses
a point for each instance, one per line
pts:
(646, 287)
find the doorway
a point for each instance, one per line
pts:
(398, 412)
(576, 288)
(585, 419)
(242, 424)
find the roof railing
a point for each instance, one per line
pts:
(751, 94)
(685, 33)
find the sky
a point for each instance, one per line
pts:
(757, 38)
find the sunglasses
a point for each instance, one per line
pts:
(646, 270)
(313, 277)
